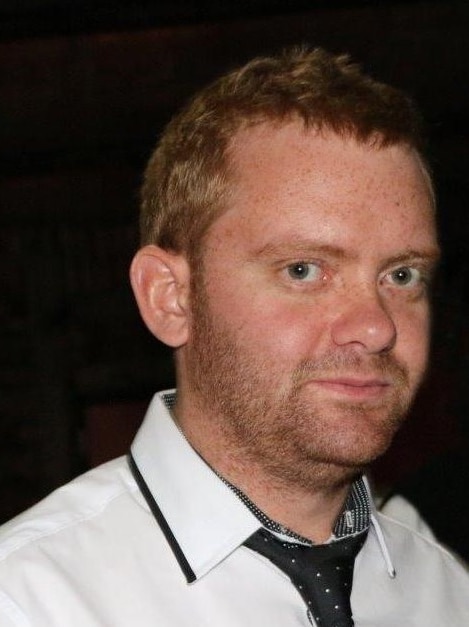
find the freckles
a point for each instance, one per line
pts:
(266, 326)
(297, 334)
(413, 336)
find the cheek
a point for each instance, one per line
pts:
(413, 333)
(286, 331)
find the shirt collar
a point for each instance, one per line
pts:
(191, 502)
(354, 519)
(207, 520)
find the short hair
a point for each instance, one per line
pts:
(188, 173)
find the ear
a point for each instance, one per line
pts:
(160, 282)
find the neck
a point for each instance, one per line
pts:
(310, 513)
(306, 498)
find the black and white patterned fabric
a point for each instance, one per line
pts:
(322, 574)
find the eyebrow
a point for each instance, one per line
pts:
(431, 257)
(307, 248)
(299, 247)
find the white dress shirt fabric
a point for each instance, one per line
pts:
(92, 554)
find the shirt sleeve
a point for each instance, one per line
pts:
(10, 614)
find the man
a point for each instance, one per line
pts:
(288, 228)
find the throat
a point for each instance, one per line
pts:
(310, 516)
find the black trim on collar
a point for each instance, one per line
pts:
(161, 520)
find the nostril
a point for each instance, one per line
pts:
(370, 326)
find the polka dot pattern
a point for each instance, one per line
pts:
(322, 574)
(354, 519)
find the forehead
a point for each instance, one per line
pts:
(286, 179)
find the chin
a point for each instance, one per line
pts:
(356, 439)
(360, 453)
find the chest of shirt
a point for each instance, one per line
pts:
(144, 587)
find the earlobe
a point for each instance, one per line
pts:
(160, 282)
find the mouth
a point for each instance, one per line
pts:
(354, 387)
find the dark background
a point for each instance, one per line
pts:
(85, 88)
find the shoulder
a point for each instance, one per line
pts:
(402, 572)
(65, 561)
(412, 543)
(82, 500)
(400, 509)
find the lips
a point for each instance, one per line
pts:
(356, 382)
(355, 387)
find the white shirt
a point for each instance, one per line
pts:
(92, 554)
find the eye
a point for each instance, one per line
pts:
(405, 276)
(304, 271)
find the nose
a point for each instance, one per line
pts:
(366, 323)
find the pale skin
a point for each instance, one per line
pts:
(305, 348)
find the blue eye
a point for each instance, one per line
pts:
(405, 276)
(304, 271)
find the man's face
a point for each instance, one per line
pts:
(311, 320)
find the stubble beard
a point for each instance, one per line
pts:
(295, 438)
